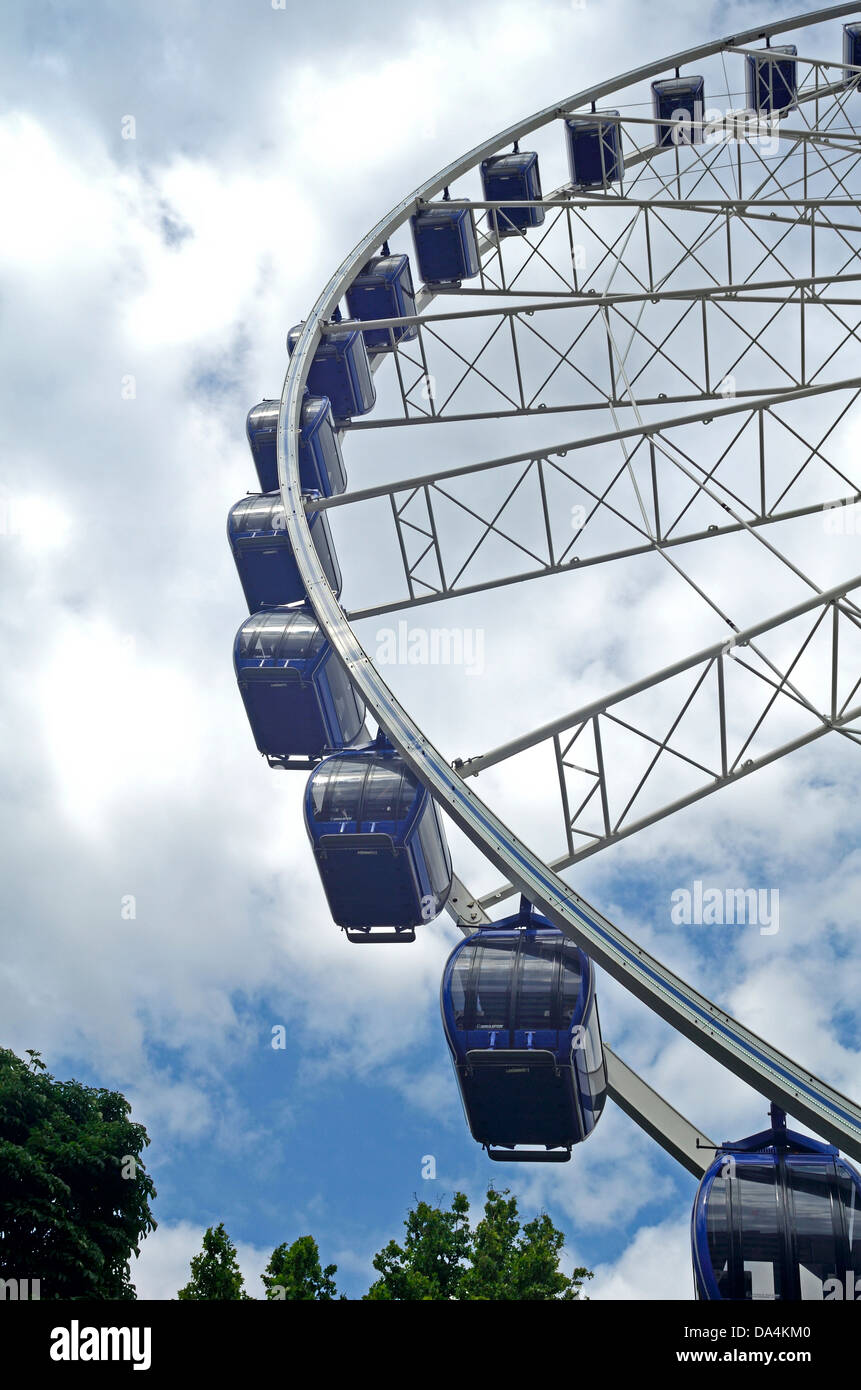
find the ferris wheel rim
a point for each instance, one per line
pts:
(549, 893)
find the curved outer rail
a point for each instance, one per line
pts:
(752, 1059)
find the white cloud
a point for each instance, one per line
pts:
(57, 208)
(656, 1265)
(163, 1266)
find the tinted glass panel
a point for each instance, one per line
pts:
(816, 1249)
(495, 986)
(286, 636)
(717, 1232)
(680, 84)
(480, 985)
(536, 1005)
(436, 859)
(491, 1003)
(343, 698)
(322, 538)
(594, 1051)
(259, 513)
(311, 411)
(459, 979)
(755, 1203)
(332, 455)
(261, 636)
(264, 417)
(337, 789)
(570, 983)
(303, 637)
(549, 986)
(848, 1197)
(390, 792)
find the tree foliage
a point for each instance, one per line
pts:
(215, 1272)
(74, 1192)
(294, 1273)
(443, 1258)
(431, 1261)
(74, 1206)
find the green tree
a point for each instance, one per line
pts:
(508, 1262)
(443, 1258)
(430, 1263)
(294, 1272)
(215, 1272)
(74, 1192)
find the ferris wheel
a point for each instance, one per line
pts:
(661, 356)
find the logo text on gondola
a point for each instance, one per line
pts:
(756, 907)
(432, 646)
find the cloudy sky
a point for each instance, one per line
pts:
(147, 286)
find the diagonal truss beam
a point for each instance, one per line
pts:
(724, 735)
(595, 388)
(537, 530)
(706, 414)
(744, 291)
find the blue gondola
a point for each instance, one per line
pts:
(340, 370)
(264, 556)
(378, 842)
(682, 100)
(512, 176)
(446, 243)
(772, 78)
(852, 50)
(520, 1015)
(383, 289)
(594, 143)
(777, 1216)
(321, 465)
(299, 701)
